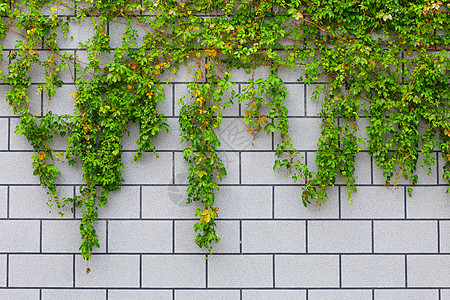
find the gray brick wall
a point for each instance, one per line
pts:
(383, 245)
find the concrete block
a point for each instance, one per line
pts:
(229, 159)
(122, 204)
(242, 271)
(233, 135)
(3, 271)
(4, 105)
(228, 232)
(340, 294)
(184, 73)
(19, 294)
(82, 62)
(63, 236)
(73, 294)
(13, 35)
(40, 270)
(150, 170)
(428, 203)
(139, 294)
(140, 236)
(242, 75)
(3, 202)
(295, 101)
(373, 202)
(166, 202)
(441, 164)
(288, 204)
(207, 294)
(445, 294)
(409, 294)
(421, 172)
(305, 133)
(19, 236)
(244, 202)
(62, 103)
(273, 237)
(444, 232)
(119, 26)
(310, 271)
(373, 271)
(38, 71)
(339, 236)
(81, 31)
(428, 270)
(257, 168)
(274, 294)
(4, 134)
(291, 76)
(171, 140)
(405, 236)
(31, 202)
(314, 106)
(165, 271)
(108, 271)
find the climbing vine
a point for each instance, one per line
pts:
(387, 61)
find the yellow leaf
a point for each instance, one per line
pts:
(205, 212)
(42, 156)
(87, 137)
(207, 218)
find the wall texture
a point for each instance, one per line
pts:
(384, 245)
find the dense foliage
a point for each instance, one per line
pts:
(386, 60)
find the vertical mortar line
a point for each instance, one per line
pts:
(74, 206)
(240, 236)
(40, 294)
(439, 235)
(306, 236)
(73, 271)
(406, 270)
(339, 202)
(439, 294)
(273, 270)
(173, 167)
(306, 163)
(9, 134)
(273, 202)
(107, 294)
(7, 270)
(304, 101)
(307, 294)
(437, 167)
(42, 103)
(140, 270)
(40, 236)
(7, 202)
(240, 167)
(373, 237)
(240, 115)
(140, 202)
(173, 99)
(173, 236)
(206, 272)
(404, 201)
(173, 294)
(340, 271)
(107, 237)
(371, 170)
(373, 294)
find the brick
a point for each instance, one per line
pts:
(310, 271)
(166, 202)
(37, 72)
(405, 236)
(82, 61)
(421, 172)
(63, 236)
(19, 236)
(119, 26)
(150, 170)
(228, 232)
(274, 294)
(373, 202)
(444, 232)
(273, 237)
(74, 294)
(288, 204)
(229, 159)
(340, 294)
(244, 202)
(304, 132)
(339, 236)
(62, 103)
(122, 204)
(31, 202)
(257, 168)
(428, 202)
(207, 294)
(81, 31)
(4, 134)
(233, 135)
(314, 106)
(242, 271)
(184, 74)
(295, 101)
(140, 236)
(3, 202)
(3, 271)
(108, 271)
(171, 140)
(12, 37)
(40, 270)
(166, 271)
(19, 294)
(139, 294)
(240, 75)
(428, 270)
(409, 294)
(362, 171)
(373, 271)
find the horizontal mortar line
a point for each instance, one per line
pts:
(133, 219)
(224, 288)
(229, 254)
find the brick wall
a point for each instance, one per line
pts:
(384, 245)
